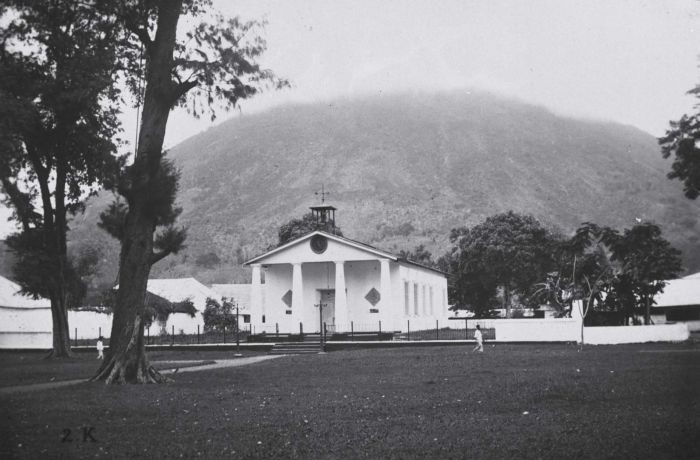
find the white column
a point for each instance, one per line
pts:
(256, 307)
(386, 304)
(342, 321)
(297, 296)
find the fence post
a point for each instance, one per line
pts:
(250, 329)
(301, 330)
(437, 333)
(148, 335)
(76, 336)
(352, 331)
(277, 330)
(466, 330)
(172, 337)
(325, 332)
(197, 334)
(408, 322)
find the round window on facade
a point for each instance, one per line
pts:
(319, 244)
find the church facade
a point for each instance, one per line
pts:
(357, 287)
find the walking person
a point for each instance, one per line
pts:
(100, 348)
(479, 340)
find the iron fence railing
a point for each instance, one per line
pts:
(268, 333)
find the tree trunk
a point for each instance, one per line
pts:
(506, 299)
(61, 333)
(126, 360)
(647, 310)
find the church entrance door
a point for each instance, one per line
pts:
(327, 297)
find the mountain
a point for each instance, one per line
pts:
(403, 170)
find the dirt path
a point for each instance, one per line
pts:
(221, 363)
(217, 364)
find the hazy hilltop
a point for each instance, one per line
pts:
(404, 170)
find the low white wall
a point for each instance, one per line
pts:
(88, 324)
(531, 330)
(37, 340)
(693, 326)
(610, 335)
(182, 322)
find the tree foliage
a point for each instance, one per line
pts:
(602, 268)
(219, 315)
(620, 272)
(297, 228)
(508, 251)
(58, 119)
(419, 255)
(157, 309)
(682, 140)
(168, 238)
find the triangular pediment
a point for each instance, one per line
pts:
(320, 246)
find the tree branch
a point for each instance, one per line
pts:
(159, 255)
(142, 34)
(182, 88)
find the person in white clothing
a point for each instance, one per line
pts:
(479, 340)
(100, 349)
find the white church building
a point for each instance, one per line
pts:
(359, 287)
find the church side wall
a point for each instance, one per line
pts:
(424, 316)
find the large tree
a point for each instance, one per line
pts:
(649, 259)
(509, 251)
(213, 61)
(621, 272)
(57, 121)
(682, 140)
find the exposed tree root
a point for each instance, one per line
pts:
(122, 371)
(128, 363)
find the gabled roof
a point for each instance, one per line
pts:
(681, 292)
(10, 297)
(179, 289)
(330, 236)
(240, 293)
(343, 240)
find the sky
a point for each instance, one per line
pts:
(626, 61)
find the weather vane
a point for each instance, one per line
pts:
(323, 194)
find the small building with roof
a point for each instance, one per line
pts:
(178, 290)
(680, 302)
(359, 287)
(24, 322)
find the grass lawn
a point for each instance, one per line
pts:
(31, 367)
(513, 401)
